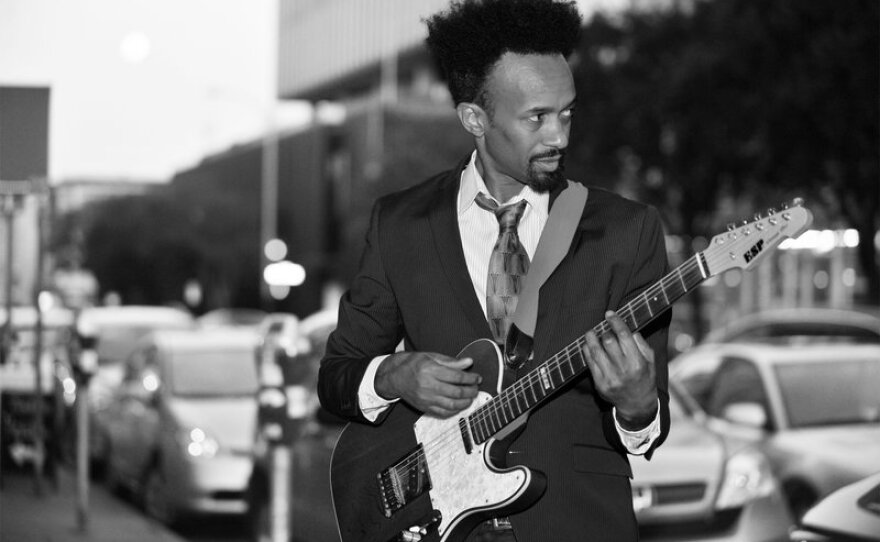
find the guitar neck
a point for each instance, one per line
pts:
(542, 382)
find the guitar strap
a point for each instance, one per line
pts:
(552, 247)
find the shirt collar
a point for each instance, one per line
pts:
(472, 183)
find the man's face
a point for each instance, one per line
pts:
(531, 98)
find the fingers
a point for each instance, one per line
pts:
(437, 384)
(455, 373)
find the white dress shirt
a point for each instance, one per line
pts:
(482, 232)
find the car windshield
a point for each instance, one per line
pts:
(215, 373)
(830, 393)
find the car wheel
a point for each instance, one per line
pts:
(800, 498)
(154, 496)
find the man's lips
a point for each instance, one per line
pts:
(548, 158)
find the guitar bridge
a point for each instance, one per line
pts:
(402, 482)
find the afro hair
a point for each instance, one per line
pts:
(469, 38)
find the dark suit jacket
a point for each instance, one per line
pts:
(413, 284)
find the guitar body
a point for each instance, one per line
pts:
(439, 479)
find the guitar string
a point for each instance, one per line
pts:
(508, 396)
(491, 409)
(711, 255)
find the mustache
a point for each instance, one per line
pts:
(548, 154)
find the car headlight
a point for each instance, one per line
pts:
(747, 476)
(198, 443)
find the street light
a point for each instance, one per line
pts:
(282, 276)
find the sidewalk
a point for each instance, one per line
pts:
(52, 517)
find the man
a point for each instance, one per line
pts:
(423, 280)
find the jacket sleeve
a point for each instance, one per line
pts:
(650, 266)
(369, 325)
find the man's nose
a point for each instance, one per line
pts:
(556, 134)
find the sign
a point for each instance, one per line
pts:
(24, 133)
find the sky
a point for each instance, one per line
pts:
(143, 88)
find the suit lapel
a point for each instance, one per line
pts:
(447, 239)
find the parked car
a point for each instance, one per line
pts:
(180, 427)
(698, 486)
(814, 410)
(18, 385)
(118, 328)
(800, 325)
(702, 486)
(850, 514)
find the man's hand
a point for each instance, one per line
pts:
(622, 365)
(430, 382)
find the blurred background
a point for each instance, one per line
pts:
(220, 157)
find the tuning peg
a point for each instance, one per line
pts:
(798, 202)
(757, 217)
(784, 205)
(731, 226)
(771, 211)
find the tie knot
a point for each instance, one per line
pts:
(508, 215)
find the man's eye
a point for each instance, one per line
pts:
(567, 113)
(536, 118)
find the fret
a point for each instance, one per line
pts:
(570, 365)
(555, 365)
(520, 409)
(655, 304)
(663, 291)
(535, 397)
(502, 413)
(517, 407)
(684, 287)
(479, 430)
(494, 418)
(643, 315)
(647, 304)
(579, 351)
(510, 409)
(565, 363)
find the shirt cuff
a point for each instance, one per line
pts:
(639, 442)
(370, 403)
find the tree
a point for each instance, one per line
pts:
(718, 106)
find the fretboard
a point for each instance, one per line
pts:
(537, 385)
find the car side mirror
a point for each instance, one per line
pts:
(748, 414)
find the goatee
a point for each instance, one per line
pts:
(545, 181)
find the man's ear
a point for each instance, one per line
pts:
(473, 118)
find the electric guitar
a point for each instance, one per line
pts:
(418, 477)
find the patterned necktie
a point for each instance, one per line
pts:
(508, 266)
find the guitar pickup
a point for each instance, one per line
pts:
(402, 482)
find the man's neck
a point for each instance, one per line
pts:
(501, 187)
